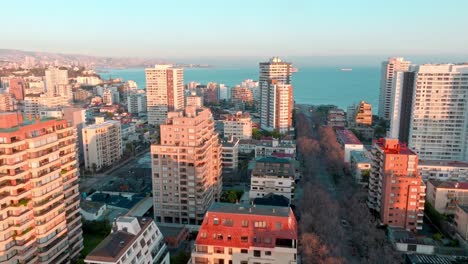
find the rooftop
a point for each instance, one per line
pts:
(359, 156)
(447, 163)
(117, 243)
(347, 137)
(90, 206)
(393, 146)
(449, 184)
(273, 160)
(430, 259)
(250, 209)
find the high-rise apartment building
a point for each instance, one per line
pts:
(276, 95)
(186, 167)
(439, 120)
(35, 103)
(164, 92)
(136, 102)
(240, 233)
(40, 201)
(56, 81)
(102, 144)
(396, 189)
(401, 105)
(242, 94)
(389, 68)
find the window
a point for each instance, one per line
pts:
(215, 221)
(228, 222)
(267, 253)
(257, 253)
(244, 251)
(267, 240)
(260, 224)
(245, 223)
(203, 235)
(244, 238)
(278, 225)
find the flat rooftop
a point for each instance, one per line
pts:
(445, 163)
(250, 209)
(449, 184)
(347, 137)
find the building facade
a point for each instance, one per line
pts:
(444, 196)
(439, 120)
(443, 170)
(276, 95)
(186, 167)
(230, 154)
(133, 240)
(41, 220)
(238, 125)
(7, 102)
(102, 144)
(164, 92)
(360, 114)
(56, 81)
(242, 94)
(239, 233)
(396, 189)
(388, 70)
(136, 102)
(401, 105)
(272, 175)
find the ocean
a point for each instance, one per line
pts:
(312, 85)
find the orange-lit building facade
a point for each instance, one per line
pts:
(240, 233)
(186, 167)
(242, 94)
(396, 189)
(17, 87)
(39, 197)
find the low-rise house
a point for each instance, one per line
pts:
(92, 210)
(266, 148)
(405, 241)
(444, 196)
(133, 240)
(360, 165)
(349, 141)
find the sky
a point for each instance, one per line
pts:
(234, 29)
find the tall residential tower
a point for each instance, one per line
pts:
(186, 167)
(39, 197)
(164, 92)
(389, 67)
(276, 95)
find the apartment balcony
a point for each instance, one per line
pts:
(52, 208)
(44, 203)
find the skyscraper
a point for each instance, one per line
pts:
(56, 81)
(41, 220)
(276, 95)
(439, 120)
(186, 167)
(401, 105)
(396, 189)
(389, 68)
(164, 92)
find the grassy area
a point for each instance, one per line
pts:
(90, 242)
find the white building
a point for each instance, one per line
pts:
(238, 125)
(56, 81)
(35, 103)
(275, 147)
(102, 144)
(439, 121)
(230, 154)
(389, 68)
(224, 92)
(443, 170)
(133, 240)
(91, 210)
(272, 175)
(276, 95)
(88, 80)
(164, 92)
(136, 102)
(349, 142)
(444, 196)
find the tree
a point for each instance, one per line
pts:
(94, 168)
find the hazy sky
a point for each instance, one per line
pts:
(183, 29)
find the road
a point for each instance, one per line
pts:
(326, 180)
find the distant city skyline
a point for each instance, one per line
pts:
(186, 29)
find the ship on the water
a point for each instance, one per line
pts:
(346, 69)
